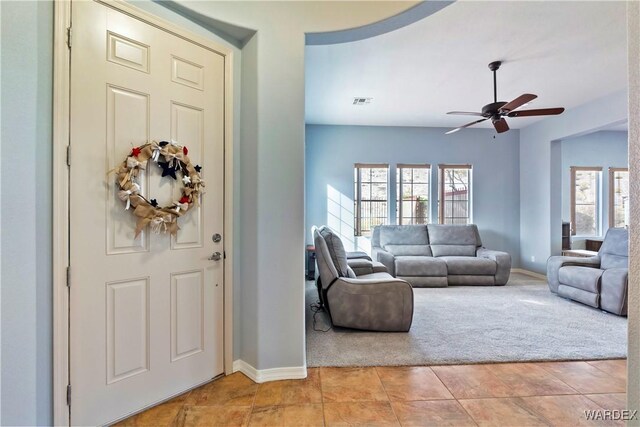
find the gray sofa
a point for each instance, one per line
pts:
(436, 255)
(600, 281)
(370, 300)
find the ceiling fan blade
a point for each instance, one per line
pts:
(465, 113)
(501, 125)
(518, 102)
(465, 126)
(538, 112)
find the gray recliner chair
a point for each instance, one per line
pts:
(600, 281)
(371, 300)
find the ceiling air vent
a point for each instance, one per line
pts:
(361, 101)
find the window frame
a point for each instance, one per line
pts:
(572, 198)
(612, 189)
(357, 199)
(441, 168)
(399, 168)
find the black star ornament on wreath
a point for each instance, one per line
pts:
(172, 158)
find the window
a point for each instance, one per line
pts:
(454, 201)
(618, 197)
(412, 202)
(585, 201)
(371, 197)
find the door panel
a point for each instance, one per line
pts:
(127, 329)
(187, 317)
(146, 312)
(127, 120)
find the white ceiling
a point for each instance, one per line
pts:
(567, 53)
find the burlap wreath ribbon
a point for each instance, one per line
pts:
(160, 219)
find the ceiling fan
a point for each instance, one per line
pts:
(497, 111)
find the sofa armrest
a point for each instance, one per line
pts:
(614, 290)
(371, 304)
(554, 263)
(358, 255)
(503, 261)
(388, 260)
(361, 266)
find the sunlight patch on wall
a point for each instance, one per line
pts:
(340, 218)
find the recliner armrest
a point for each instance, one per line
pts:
(358, 255)
(554, 263)
(503, 261)
(388, 305)
(388, 260)
(360, 266)
(363, 266)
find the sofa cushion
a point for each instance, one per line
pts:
(453, 240)
(464, 265)
(336, 251)
(585, 278)
(420, 266)
(408, 250)
(453, 250)
(403, 235)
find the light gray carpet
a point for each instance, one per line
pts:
(521, 321)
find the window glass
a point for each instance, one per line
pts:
(412, 203)
(371, 195)
(455, 194)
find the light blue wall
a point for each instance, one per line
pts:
(26, 98)
(540, 212)
(331, 152)
(605, 149)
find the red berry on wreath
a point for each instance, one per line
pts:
(185, 151)
(136, 151)
(184, 199)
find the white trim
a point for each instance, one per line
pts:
(529, 273)
(61, 82)
(61, 85)
(228, 212)
(273, 374)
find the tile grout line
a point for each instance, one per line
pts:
(574, 388)
(602, 360)
(324, 421)
(253, 403)
(174, 421)
(375, 368)
(454, 396)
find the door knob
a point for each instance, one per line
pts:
(216, 256)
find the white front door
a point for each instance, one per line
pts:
(146, 313)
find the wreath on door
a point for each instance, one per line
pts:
(173, 159)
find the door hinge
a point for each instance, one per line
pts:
(69, 37)
(68, 394)
(68, 155)
(68, 276)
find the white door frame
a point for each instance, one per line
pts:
(61, 120)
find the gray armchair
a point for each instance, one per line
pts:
(372, 300)
(600, 281)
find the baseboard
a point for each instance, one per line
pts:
(529, 273)
(273, 374)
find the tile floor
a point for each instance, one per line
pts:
(509, 394)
